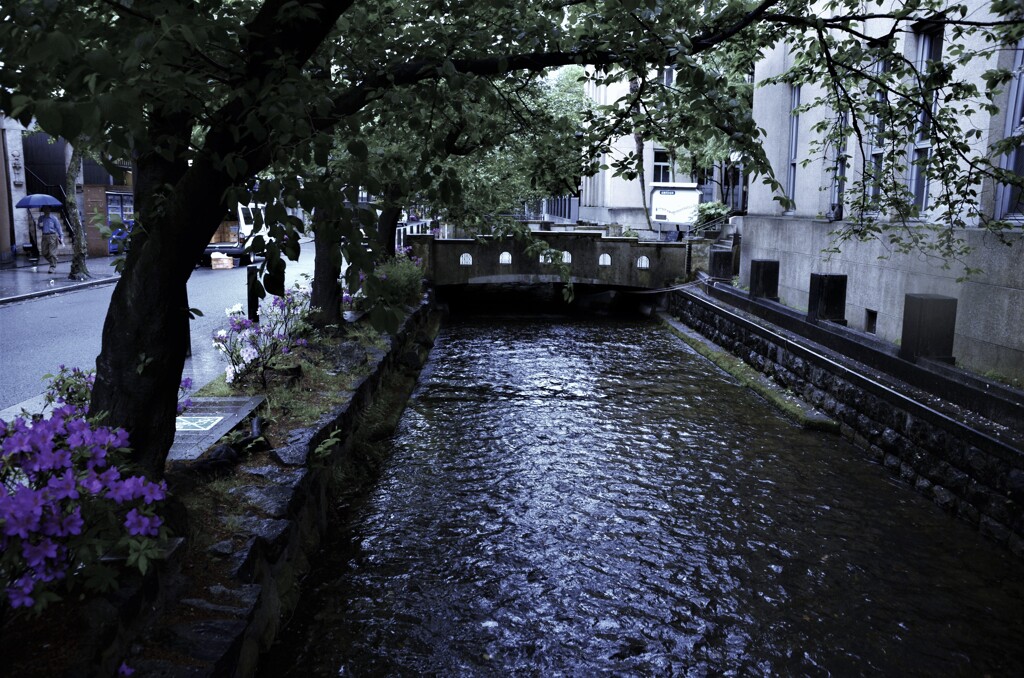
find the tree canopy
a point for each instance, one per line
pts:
(203, 95)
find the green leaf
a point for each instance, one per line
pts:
(358, 149)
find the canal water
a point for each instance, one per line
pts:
(592, 498)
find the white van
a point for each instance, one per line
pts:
(233, 232)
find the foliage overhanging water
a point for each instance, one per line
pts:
(592, 498)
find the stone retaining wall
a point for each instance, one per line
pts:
(962, 468)
(223, 629)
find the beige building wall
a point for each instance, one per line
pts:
(990, 312)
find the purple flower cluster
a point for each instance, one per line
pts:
(61, 494)
(183, 388)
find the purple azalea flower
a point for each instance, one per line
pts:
(16, 443)
(19, 594)
(51, 460)
(22, 513)
(63, 487)
(92, 483)
(79, 433)
(140, 525)
(125, 670)
(72, 523)
(154, 491)
(110, 476)
(97, 457)
(126, 490)
(37, 554)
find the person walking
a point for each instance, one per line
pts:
(52, 237)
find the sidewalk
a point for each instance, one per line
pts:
(196, 430)
(27, 282)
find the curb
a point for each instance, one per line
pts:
(57, 290)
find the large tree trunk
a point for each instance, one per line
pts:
(146, 329)
(387, 228)
(638, 140)
(79, 247)
(325, 295)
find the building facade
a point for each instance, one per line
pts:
(609, 199)
(33, 162)
(989, 333)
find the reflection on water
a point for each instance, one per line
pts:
(583, 498)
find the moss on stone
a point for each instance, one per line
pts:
(787, 403)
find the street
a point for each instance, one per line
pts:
(39, 335)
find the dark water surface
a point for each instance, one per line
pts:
(581, 498)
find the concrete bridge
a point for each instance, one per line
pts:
(592, 258)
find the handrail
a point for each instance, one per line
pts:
(709, 225)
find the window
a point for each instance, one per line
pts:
(566, 257)
(839, 171)
(794, 143)
(505, 258)
(1010, 199)
(643, 262)
(873, 163)
(667, 76)
(466, 259)
(604, 260)
(663, 167)
(929, 52)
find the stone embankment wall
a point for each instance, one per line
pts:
(959, 465)
(221, 628)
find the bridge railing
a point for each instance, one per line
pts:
(590, 258)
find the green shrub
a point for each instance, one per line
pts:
(709, 211)
(397, 281)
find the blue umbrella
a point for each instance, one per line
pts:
(38, 200)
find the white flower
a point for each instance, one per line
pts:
(223, 334)
(229, 374)
(248, 354)
(233, 310)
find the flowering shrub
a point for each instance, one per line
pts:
(74, 387)
(67, 505)
(252, 348)
(70, 387)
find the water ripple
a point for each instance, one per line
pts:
(581, 499)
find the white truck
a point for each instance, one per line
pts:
(230, 238)
(674, 207)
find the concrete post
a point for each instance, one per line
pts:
(720, 264)
(251, 296)
(764, 279)
(929, 324)
(826, 298)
